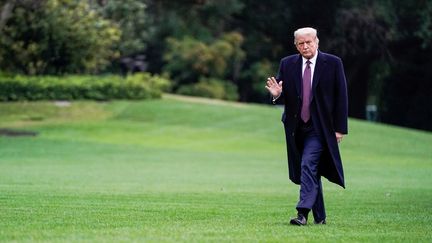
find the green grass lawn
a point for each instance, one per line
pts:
(195, 170)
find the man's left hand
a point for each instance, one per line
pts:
(339, 137)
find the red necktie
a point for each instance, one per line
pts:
(305, 112)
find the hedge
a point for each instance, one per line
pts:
(75, 87)
(211, 88)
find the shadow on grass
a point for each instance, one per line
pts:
(16, 133)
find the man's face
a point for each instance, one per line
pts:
(307, 45)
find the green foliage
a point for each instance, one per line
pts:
(424, 31)
(132, 19)
(211, 88)
(58, 37)
(404, 97)
(256, 76)
(202, 19)
(138, 86)
(189, 59)
(154, 84)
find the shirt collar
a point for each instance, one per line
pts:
(312, 60)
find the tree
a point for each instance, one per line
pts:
(204, 20)
(361, 36)
(189, 60)
(8, 5)
(55, 37)
(405, 96)
(132, 19)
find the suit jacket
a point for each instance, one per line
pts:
(329, 111)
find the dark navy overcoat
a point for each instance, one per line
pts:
(329, 111)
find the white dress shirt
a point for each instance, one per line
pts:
(312, 65)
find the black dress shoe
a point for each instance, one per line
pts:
(320, 222)
(300, 220)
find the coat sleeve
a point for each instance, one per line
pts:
(340, 119)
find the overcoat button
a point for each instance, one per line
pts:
(292, 134)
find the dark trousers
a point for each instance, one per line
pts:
(311, 194)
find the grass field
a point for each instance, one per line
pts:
(194, 170)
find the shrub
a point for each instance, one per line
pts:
(137, 86)
(211, 88)
(190, 59)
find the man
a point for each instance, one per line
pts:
(312, 87)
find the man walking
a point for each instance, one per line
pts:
(312, 87)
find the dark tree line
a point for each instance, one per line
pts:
(226, 48)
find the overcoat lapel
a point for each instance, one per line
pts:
(298, 76)
(319, 67)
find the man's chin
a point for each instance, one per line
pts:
(307, 55)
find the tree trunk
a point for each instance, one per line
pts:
(6, 12)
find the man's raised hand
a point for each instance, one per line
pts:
(274, 87)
